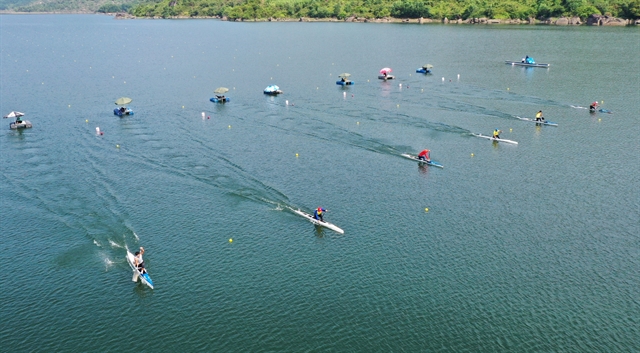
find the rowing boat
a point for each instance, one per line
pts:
(311, 219)
(144, 278)
(495, 139)
(520, 63)
(415, 158)
(544, 122)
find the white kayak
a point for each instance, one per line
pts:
(136, 274)
(544, 122)
(319, 222)
(495, 139)
(415, 158)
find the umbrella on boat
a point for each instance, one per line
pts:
(13, 115)
(427, 67)
(386, 70)
(221, 90)
(344, 75)
(123, 101)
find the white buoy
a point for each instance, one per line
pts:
(400, 85)
(344, 94)
(202, 115)
(458, 76)
(443, 79)
(286, 102)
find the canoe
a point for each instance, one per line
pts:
(495, 139)
(311, 219)
(136, 274)
(544, 122)
(25, 124)
(519, 63)
(218, 100)
(415, 158)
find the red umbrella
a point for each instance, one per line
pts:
(386, 70)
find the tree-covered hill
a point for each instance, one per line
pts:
(89, 6)
(435, 9)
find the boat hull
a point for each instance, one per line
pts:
(218, 100)
(415, 158)
(311, 219)
(344, 83)
(495, 139)
(388, 77)
(26, 124)
(545, 122)
(423, 71)
(136, 274)
(272, 93)
(117, 112)
(519, 63)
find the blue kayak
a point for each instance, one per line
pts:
(220, 100)
(415, 158)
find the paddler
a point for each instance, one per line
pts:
(593, 106)
(317, 214)
(424, 156)
(539, 116)
(496, 133)
(138, 262)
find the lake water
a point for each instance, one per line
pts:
(527, 248)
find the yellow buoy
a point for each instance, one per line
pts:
(230, 240)
(117, 146)
(510, 130)
(125, 81)
(507, 88)
(599, 119)
(296, 155)
(422, 90)
(69, 105)
(86, 120)
(229, 126)
(426, 209)
(397, 105)
(472, 155)
(183, 107)
(357, 123)
(367, 80)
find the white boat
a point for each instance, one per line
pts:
(520, 63)
(544, 122)
(415, 158)
(311, 219)
(495, 139)
(144, 278)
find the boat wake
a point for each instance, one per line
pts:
(115, 245)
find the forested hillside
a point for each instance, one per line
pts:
(435, 9)
(66, 5)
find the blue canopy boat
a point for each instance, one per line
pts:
(272, 90)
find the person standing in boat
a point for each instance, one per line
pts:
(539, 116)
(139, 262)
(496, 134)
(318, 214)
(424, 156)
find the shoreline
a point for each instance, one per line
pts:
(593, 20)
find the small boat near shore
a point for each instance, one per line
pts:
(520, 63)
(544, 122)
(495, 139)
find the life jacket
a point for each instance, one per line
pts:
(539, 115)
(319, 210)
(424, 153)
(496, 133)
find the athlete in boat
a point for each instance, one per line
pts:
(424, 156)
(496, 134)
(593, 106)
(138, 262)
(539, 116)
(318, 213)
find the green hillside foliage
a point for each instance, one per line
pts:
(66, 5)
(435, 9)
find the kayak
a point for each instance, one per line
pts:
(415, 158)
(495, 139)
(136, 274)
(545, 122)
(319, 222)
(520, 63)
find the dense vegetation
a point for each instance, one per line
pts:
(66, 5)
(436, 9)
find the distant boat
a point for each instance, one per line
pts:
(219, 97)
(520, 63)
(123, 110)
(272, 90)
(384, 74)
(344, 79)
(425, 69)
(18, 123)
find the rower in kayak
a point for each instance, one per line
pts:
(496, 134)
(318, 214)
(139, 262)
(424, 156)
(593, 106)
(539, 116)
